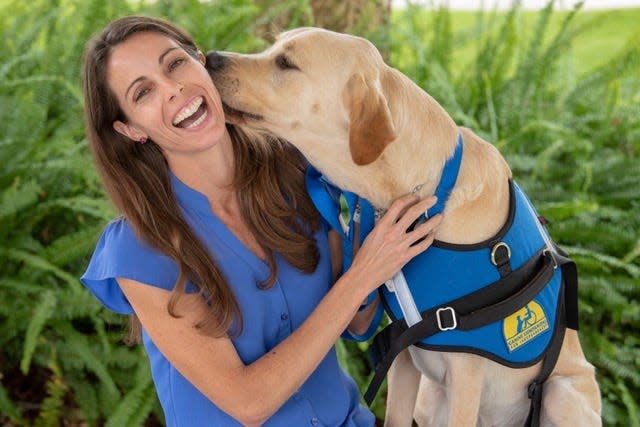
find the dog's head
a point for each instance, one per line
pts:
(312, 87)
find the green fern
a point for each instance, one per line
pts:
(8, 408)
(631, 404)
(42, 312)
(52, 406)
(135, 403)
(79, 347)
(17, 197)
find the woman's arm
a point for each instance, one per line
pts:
(363, 318)
(252, 393)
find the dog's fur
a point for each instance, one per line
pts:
(372, 131)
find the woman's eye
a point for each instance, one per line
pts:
(174, 64)
(142, 93)
(285, 63)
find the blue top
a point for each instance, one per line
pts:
(328, 398)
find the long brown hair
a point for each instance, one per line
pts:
(269, 179)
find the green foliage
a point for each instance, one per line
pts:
(572, 139)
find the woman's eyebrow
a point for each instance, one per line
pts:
(165, 53)
(131, 85)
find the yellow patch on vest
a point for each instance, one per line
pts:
(524, 325)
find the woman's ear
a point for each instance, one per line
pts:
(129, 131)
(201, 57)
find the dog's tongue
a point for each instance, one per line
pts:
(195, 116)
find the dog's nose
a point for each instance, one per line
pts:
(215, 61)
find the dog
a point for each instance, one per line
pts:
(372, 131)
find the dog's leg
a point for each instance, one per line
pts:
(403, 381)
(571, 385)
(431, 404)
(464, 381)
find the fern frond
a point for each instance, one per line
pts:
(72, 246)
(618, 369)
(18, 197)
(38, 263)
(96, 207)
(135, 401)
(41, 314)
(631, 404)
(606, 260)
(148, 406)
(85, 396)
(77, 345)
(19, 286)
(52, 407)
(8, 408)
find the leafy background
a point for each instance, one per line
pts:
(557, 92)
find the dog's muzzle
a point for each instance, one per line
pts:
(215, 61)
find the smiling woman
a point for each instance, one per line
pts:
(166, 96)
(219, 252)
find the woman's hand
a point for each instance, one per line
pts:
(390, 246)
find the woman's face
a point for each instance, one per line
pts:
(166, 94)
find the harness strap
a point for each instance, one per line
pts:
(534, 391)
(448, 317)
(445, 186)
(567, 318)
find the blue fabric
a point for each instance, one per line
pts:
(326, 197)
(447, 179)
(442, 274)
(328, 398)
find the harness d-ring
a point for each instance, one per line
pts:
(495, 249)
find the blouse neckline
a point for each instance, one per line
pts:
(191, 199)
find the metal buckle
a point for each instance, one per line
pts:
(495, 249)
(549, 253)
(453, 317)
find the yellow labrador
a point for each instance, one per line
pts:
(374, 132)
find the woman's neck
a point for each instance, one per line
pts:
(210, 172)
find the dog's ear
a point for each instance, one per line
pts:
(370, 125)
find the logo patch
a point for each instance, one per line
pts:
(524, 325)
(345, 215)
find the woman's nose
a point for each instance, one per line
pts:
(174, 88)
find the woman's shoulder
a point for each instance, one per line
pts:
(120, 241)
(120, 252)
(119, 233)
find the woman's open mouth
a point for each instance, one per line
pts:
(192, 115)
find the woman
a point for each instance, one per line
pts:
(219, 252)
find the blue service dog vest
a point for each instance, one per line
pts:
(508, 298)
(447, 272)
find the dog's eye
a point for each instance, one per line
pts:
(285, 63)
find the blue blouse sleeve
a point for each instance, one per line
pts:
(120, 253)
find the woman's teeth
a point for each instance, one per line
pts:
(198, 121)
(188, 111)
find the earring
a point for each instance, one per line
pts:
(143, 140)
